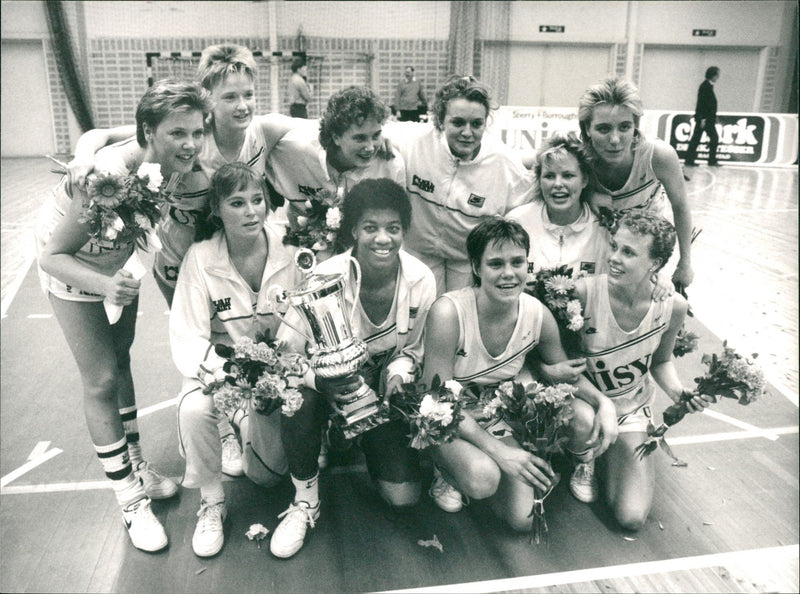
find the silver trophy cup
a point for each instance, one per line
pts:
(336, 351)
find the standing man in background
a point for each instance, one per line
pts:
(705, 119)
(409, 99)
(299, 89)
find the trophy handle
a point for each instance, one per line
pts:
(277, 294)
(357, 268)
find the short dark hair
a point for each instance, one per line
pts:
(643, 222)
(711, 72)
(166, 97)
(371, 194)
(352, 105)
(298, 63)
(228, 179)
(467, 87)
(493, 229)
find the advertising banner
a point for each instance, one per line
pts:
(764, 139)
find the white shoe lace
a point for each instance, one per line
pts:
(230, 448)
(297, 516)
(210, 517)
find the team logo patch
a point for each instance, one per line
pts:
(587, 267)
(530, 267)
(308, 190)
(412, 312)
(590, 330)
(461, 353)
(475, 200)
(223, 304)
(422, 184)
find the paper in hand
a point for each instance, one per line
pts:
(136, 268)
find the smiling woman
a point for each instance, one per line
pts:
(80, 269)
(396, 291)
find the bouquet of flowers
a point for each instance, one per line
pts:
(434, 415)
(258, 371)
(729, 375)
(318, 228)
(126, 207)
(538, 416)
(555, 288)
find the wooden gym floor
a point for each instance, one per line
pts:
(726, 523)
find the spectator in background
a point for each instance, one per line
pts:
(409, 99)
(299, 89)
(705, 119)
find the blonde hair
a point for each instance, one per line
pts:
(217, 62)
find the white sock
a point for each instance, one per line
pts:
(307, 490)
(213, 493)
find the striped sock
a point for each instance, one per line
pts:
(583, 456)
(131, 426)
(213, 493)
(307, 490)
(117, 466)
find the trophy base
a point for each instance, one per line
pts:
(360, 412)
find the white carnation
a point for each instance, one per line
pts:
(454, 387)
(434, 410)
(153, 173)
(333, 217)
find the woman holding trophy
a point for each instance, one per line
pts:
(396, 291)
(221, 296)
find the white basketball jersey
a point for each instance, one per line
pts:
(618, 362)
(473, 362)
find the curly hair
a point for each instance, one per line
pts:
(217, 62)
(228, 179)
(352, 105)
(166, 97)
(493, 229)
(557, 146)
(613, 92)
(371, 194)
(467, 87)
(642, 222)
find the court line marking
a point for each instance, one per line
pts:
(727, 436)
(15, 286)
(39, 449)
(733, 558)
(28, 466)
(356, 468)
(765, 433)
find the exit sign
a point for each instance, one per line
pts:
(551, 28)
(704, 32)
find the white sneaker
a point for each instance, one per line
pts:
(145, 530)
(445, 495)
(583, 482)
(208, 535)
(155, 485)
(231, 456)
(291, 532)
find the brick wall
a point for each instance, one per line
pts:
(118, 69)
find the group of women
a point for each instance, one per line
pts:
(446, 225)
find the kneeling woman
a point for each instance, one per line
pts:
(221, 296)
(479, 336)
(631, 348)
(396, 293)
